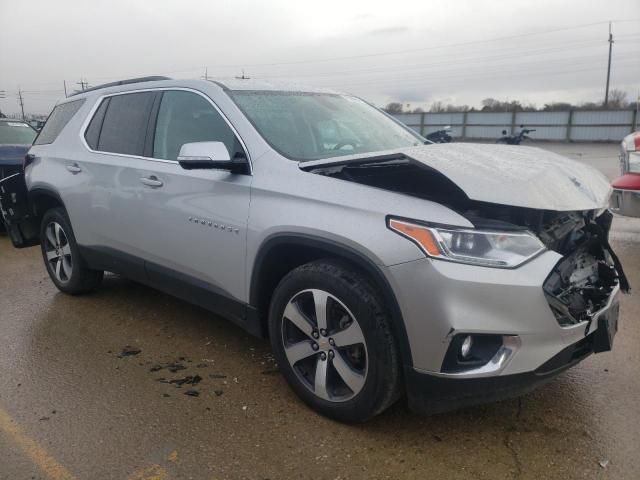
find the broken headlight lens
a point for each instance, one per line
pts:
(476, 247)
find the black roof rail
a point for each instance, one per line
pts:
(127, 81)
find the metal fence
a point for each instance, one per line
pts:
(570, 126)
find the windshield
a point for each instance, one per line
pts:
(16, 133)
(312, 126)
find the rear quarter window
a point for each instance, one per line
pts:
(58, 119)
(92, 135)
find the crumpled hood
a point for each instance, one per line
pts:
(509, 175)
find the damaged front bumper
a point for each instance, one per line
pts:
(443, 302)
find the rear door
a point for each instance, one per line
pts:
(115, 216)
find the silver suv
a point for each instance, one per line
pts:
(378, 264)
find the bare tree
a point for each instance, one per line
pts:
(557, 106)
(617, 98)
(437, 106)
(393, 108)
(493, 105)
(456, 108)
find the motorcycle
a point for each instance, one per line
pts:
(440, 136)
(516, 139)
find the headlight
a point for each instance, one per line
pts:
(476, 247)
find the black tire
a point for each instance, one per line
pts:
(382, 383)
(81, 278)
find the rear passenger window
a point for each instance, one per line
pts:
(124, 126)
(59, 117)
(185, 117)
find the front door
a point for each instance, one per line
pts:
(194, 223)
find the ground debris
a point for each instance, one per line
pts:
(129, 351)
(218, 392)
(216, 375)
(188, 380)
(192, 393)
(604, 463)
(173, 367)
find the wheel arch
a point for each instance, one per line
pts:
(43, 199)
(281, 253)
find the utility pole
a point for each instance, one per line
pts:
(83, 84)
(64, 82)
(243, 77)
(21, 101)
(606, 93)
(206, 73)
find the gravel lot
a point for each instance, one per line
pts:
(77, 401)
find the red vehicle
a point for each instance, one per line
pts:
(626, 189)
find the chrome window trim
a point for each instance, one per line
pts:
(100, 99)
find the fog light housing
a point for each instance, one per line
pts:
(470, 351)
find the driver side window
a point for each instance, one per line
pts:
(185, 117)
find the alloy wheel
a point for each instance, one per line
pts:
(58, 252)
(324, 345)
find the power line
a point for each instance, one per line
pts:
(397, 52)
(83, 84)
(465, 61)
(460, 75)
(434, 47)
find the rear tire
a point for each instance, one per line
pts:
(350, 369)
(66, 267)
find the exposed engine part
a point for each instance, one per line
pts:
(581, 284)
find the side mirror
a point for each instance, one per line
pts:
(208, 155)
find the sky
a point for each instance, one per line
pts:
(413, 52)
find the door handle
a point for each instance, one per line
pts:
(74, 168)
(151, 181)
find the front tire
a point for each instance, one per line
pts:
(331, 336)
(66, 267)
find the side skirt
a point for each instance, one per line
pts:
(176, 284)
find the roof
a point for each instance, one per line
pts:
(235, 84)
(126, 81)
(239, 84)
